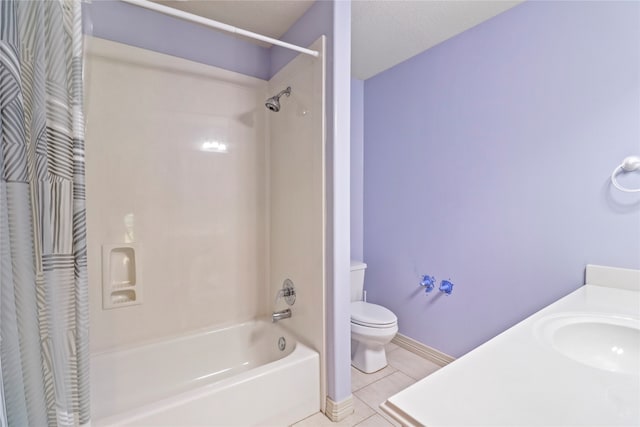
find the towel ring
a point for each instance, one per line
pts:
(629, 164)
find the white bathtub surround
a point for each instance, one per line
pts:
(296, 214)
(121, 284)
(575, 362)
(154, 123)
(226, 200)
(423, 350)
(235, 376)
(338, 411)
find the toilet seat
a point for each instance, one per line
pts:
(372, 315)
(384, 334)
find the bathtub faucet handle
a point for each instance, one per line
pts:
(287, 292)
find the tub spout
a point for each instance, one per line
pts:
(282, 314)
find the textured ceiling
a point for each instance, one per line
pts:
(384, 32)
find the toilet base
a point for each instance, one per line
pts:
(368, 358)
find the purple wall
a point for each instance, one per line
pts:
(487, 161)
(135, 26)
(316, 21)
(357, 158)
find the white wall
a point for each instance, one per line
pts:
(357, 173)
(199, 217)
(297, 199)
(339, 311)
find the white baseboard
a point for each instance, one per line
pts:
(422, 350)
(338, 411)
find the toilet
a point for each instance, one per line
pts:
(372, 326)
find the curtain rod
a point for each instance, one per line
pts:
(217, 25)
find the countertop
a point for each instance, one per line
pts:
(519, 379)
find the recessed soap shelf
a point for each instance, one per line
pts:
(120, 276)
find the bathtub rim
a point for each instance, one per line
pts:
(300, 353)
(199, 332)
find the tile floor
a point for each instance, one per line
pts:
(370, 390)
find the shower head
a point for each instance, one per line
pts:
(273, 103)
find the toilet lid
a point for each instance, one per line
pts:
(367, 314)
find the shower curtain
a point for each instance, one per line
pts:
(44, 313)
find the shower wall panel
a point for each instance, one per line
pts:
(297, 196)
(176, 163)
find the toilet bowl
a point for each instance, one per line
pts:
(372, 327)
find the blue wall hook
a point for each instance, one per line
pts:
(428, 282)
(446, 287)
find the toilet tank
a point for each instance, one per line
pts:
(357, 279)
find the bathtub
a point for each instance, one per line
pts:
(237, 375)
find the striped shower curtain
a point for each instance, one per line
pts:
(44, 313)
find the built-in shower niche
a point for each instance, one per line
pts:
(120, 278)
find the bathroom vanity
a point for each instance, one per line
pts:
(575, 362)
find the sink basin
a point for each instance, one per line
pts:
(606, 342)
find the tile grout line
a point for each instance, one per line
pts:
(366, 404)
(373, 382)
(411, 376)
(370, 416)
(407, 374)
(374, 409)
(375, 412)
